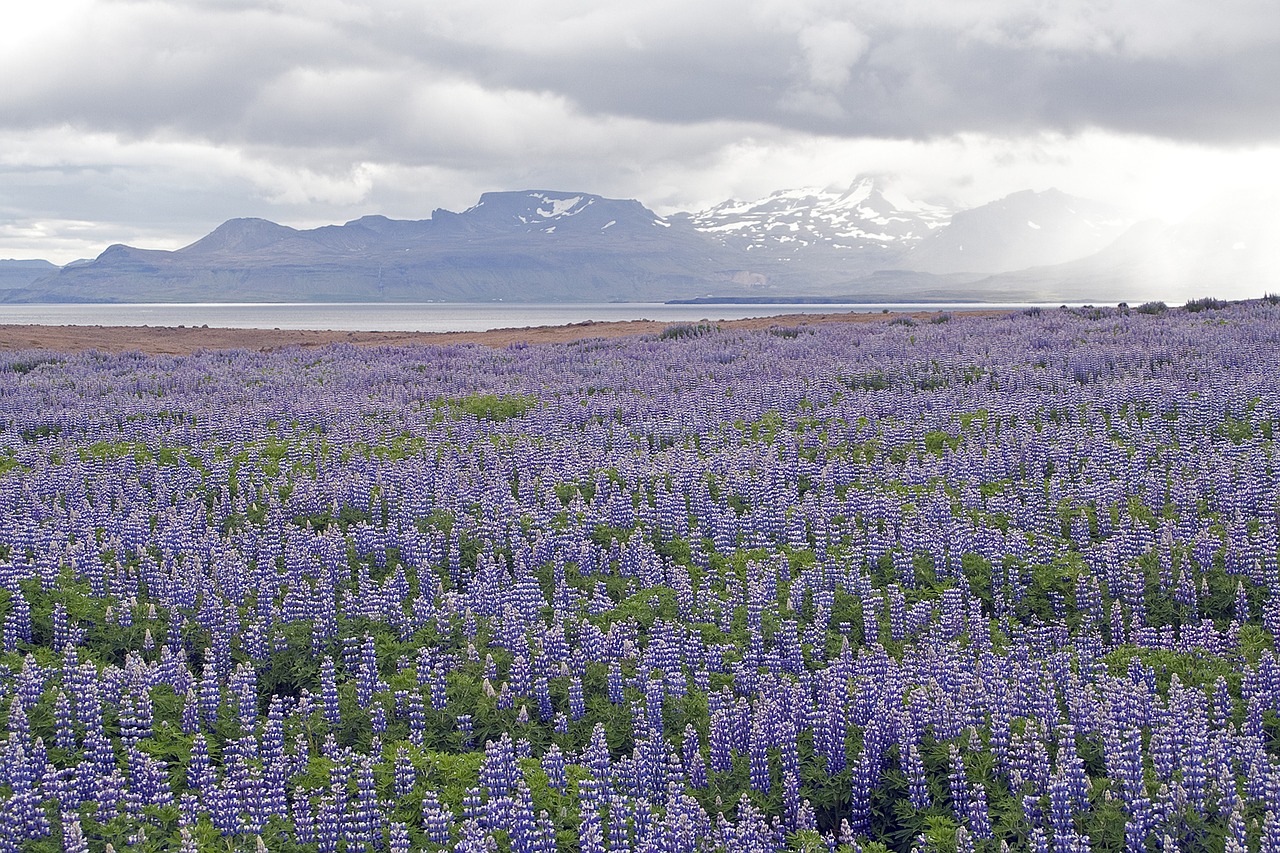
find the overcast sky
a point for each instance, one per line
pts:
(150, 122)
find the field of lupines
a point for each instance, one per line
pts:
(946, 585)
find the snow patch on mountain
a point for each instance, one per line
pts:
(556, 207)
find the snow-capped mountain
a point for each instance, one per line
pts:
(867, 218)
(550, 212)
(870, 226)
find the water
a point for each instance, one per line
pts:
(422, 317)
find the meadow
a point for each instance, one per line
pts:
(957, 584)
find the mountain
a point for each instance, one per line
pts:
(864, 242)
(1228, 248)
(864, 227)
(535, 245)
(17, 275)
(1021, 230)
(239, 236)
(842, 241)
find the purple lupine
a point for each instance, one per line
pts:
(303, 818)
(615, 683)
(758, 758)
(398, 840)
(328, 825)
(436, 820)
(417, 718)
(553, 764)
(542, 692)
(1237, 840)
(366, 668)
(404, 773)
(210, 692)
(61, 627)
(917, 783)
(190, 721)
(200, 775)
(1270, 839)
(73, 839)
(366, 822)
(958, 783)
(695, 765)
(238, 589)
(64, 723)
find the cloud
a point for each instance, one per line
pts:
(914, 68)
(830, 49)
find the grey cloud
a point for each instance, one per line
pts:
(345, 74)
(925, 83)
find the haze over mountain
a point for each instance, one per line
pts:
(1021, 230)
(864, 242)
(1230, 248)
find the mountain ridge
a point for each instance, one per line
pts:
(549, 245)
(529, 245)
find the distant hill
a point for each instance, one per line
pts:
(19, 275)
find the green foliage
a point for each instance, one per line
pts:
(1235, 431)
(491, 407)
(1196, 668)
(8, 462)
(346, 517)
(876, 381)
(26, 365)
(938, 442)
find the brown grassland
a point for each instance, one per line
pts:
(180, 340)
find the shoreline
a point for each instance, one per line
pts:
(185, 340)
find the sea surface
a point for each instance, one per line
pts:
(424, 317)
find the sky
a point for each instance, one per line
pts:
(150, 122)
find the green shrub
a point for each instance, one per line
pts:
(686, 330)
(1203, 304)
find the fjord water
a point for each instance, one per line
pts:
(424, 317)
